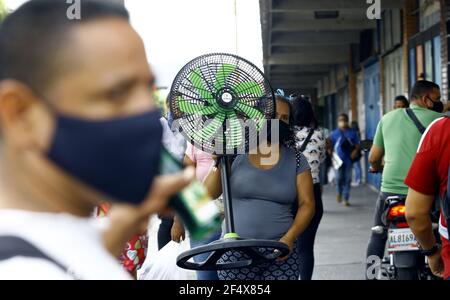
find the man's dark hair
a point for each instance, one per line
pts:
(34, 37)
(344, 116)
(423, 88)
(403, 99)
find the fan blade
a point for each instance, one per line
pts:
(199, 85)
(195, 108)
(249, 87)
(251, 113)
(210, 130)
(236, 129)
(222, 74)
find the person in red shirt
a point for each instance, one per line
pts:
(427, 178)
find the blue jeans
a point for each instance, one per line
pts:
(205, 275)
(358, 171)
(344, 180)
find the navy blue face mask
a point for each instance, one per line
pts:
(118, 157)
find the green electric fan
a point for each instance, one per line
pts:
(221, 103)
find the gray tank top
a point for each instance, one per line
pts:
(262, 199)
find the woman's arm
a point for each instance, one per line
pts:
(329, 146)
(306, 208)
(188, 161)
(177, 232)
(213, 182)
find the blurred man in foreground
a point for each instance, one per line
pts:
(79, 127)
(428, 180)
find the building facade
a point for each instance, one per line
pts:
(360, 64)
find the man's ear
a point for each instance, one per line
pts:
(22, 116)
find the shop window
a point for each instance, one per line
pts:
(390, 29)
(419, 63)
(437, 60)
(397, 26)
(388, 37)
(412, 66)
(429, 61)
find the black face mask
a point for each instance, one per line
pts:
(284, 131)
(438, 106)
(118, 157)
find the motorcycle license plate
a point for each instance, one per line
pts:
(402, 240)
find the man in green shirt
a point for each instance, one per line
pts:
(396, 139)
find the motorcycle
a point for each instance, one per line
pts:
(403, 259)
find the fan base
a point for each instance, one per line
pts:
(249, 247)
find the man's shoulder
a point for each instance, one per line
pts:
(439, 126)
(436, 134)
(24, 268)
(334, 133)
(394, 114)
(441, 123)
(426, 114)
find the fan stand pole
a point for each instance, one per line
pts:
(225, 164)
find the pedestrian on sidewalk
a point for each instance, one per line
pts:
(396, 140)
(309, 140)
(264, 192)
(344, 143)
(357, 162)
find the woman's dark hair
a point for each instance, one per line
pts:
(290, 141)
(291, 111)
(303, 113)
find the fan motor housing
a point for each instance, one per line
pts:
(226, 98)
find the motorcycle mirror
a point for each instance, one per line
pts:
(366, 145)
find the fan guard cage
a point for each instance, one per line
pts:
(221, 101)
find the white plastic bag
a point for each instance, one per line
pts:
(336, 161)
(163, 266)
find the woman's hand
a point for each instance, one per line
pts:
(177, 232)
(290, 242)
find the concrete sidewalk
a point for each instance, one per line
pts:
(343, 235)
